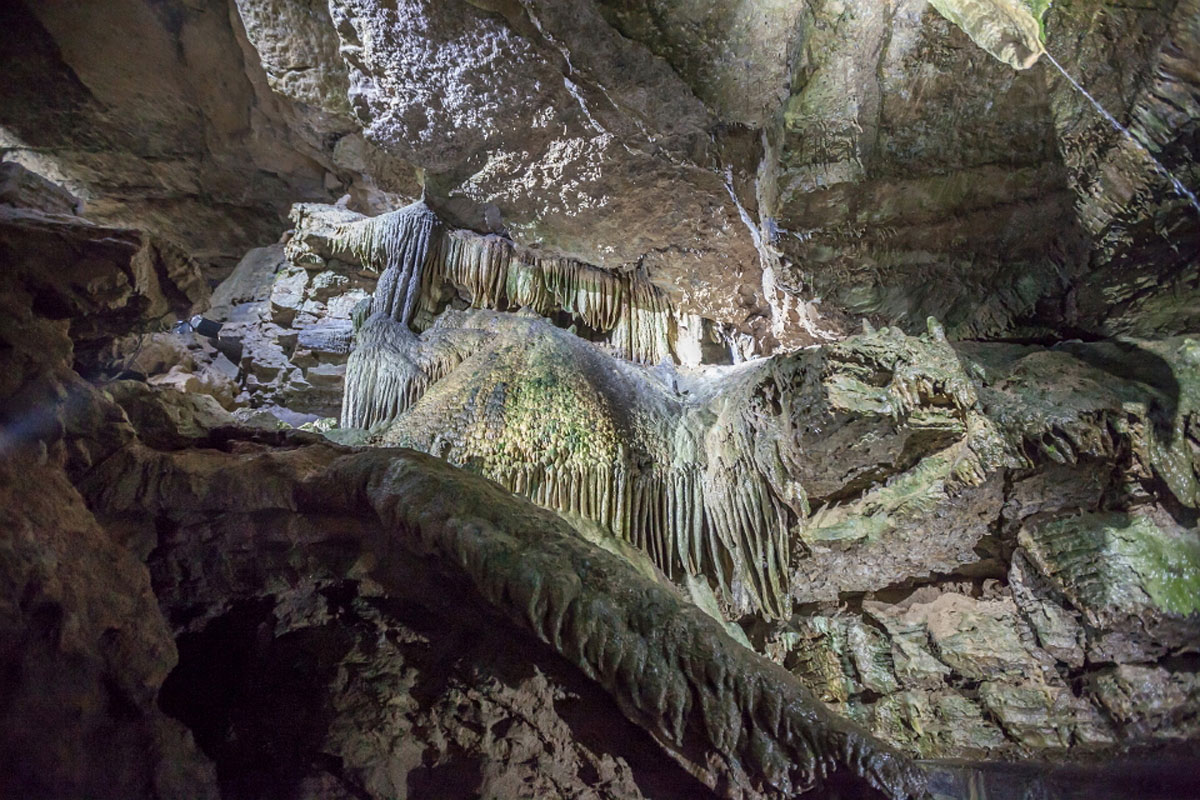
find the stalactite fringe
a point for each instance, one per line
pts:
(391, 368)
(633, 314)
(416, 257)
(399, 244)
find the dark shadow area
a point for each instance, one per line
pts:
(469, 644)
(1130, 362)
(457, 779)
(844, 785)
(33, 65)
(595, 726)
(261, 705)
(257, 705)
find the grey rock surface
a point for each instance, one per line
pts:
(782, 170)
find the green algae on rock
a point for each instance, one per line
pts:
(1117, 564)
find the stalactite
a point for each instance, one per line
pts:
(417, 258)
(748, 525)
(382, 379)
(704, 482)
(645, 330)
(391, 368)
(633, 314)
(540, 425)
(670, 514)
(399, 244)
(477, 264)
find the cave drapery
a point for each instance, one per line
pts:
(599, 398)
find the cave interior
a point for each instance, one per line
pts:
(605, 399)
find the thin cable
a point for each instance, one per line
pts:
(1180, 189)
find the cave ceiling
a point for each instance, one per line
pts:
(781, 168)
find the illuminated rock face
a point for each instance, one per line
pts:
(1004, 28)
(781, 170)
(652, 545)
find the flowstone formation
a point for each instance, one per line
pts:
(687, 473)
(948, 543)
(149, 537)
(640, 399)
(705, 473)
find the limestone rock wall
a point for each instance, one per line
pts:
(156, 117)
(871, 512)
(783, 170)
(84, 648)
(811, 567)
(318, 578)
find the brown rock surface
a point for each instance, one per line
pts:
(84, 653)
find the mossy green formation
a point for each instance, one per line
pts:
(554, 418)
(515, 406)
(703, 472)
(1038, 9)
(1119, 564)
(1100, 400)
(908, 496)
